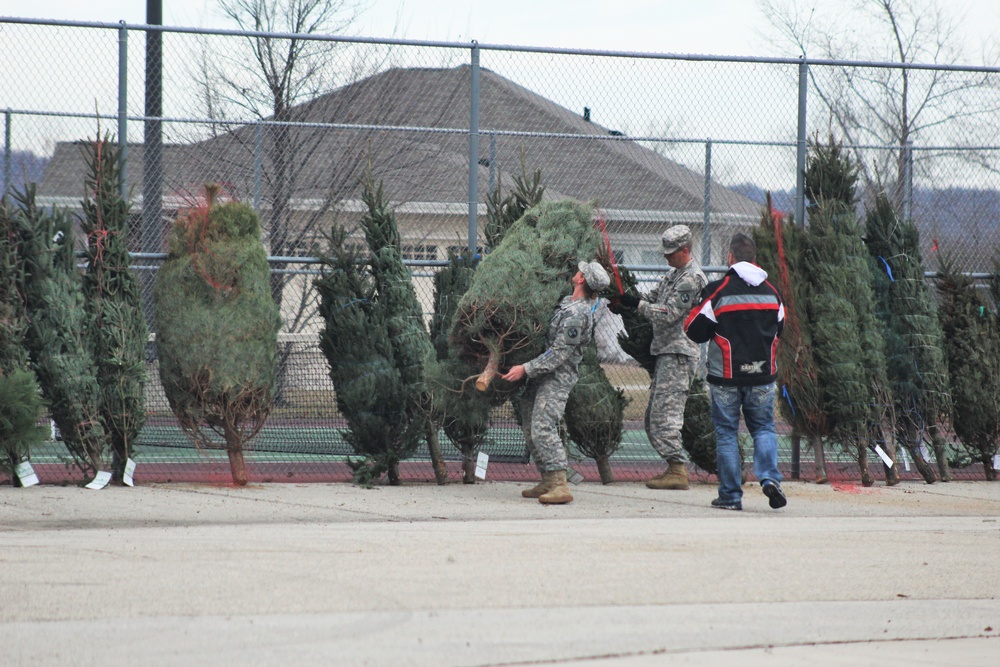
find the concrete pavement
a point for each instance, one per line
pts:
(332, 574)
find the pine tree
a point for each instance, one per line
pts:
(375, 343)
(503, 317)
(114, 302)
(846, 339)
(972, 349)
(462, 412)
(217, 327)
(60, 332)
(781, 252)
(912, 333)
(20, 398)
(843, 302)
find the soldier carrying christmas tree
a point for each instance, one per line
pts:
(551, 375)
(676, 357)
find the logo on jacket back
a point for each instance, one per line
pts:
(753, 367)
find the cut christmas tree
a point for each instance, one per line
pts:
(375, 343)
(915, 359)
(503, 317)
(114, 302)
(217, 328)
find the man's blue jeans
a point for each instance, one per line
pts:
(757, 404)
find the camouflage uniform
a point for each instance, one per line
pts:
(551, 376)
(676, 357)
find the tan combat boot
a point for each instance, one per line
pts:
(674, 478)
(537, 490)
(558, 493)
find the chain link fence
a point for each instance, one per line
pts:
(652, 139)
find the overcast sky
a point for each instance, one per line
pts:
(675, 26)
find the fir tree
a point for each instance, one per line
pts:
(846, 339)
(781, 252)
(912, 332)
(217, 327)
(20, 398)
(972, 349)
(375, 343)
(463, 412)
(59, 336)
(114, 302)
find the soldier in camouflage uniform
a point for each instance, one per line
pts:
(665, 307)
(551, 376)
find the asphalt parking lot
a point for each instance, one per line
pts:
(334, 574)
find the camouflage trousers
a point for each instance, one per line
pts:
(668, 391)
(542, 406)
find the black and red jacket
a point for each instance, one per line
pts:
(741, 317)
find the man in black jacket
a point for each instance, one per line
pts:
(741, 317)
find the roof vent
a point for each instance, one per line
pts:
(586, 114)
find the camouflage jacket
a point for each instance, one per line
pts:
(571, 327)
(668, 304)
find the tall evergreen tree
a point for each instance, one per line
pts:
(375, 343)
(781, 252)
(115, 305)
(846, 338)
(912, 332)
(463, 411)
(20, 397)
(839, 271)
(972, 349)
(59, 336)
(217, 328)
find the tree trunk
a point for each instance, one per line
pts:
(437, 460)
(469, 466)
(819, 458)
(118, 462)
(866, 474)
(492, 365)
(237, 466)
(889, 447)
(393, 474)
(604, 468)
(940, 453)
(991, 473)
(919, 461)
(234, 448)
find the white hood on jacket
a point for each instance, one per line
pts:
(750, 273)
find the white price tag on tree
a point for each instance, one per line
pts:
(482, 461)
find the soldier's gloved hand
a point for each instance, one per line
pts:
(629, 301)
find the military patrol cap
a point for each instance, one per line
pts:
(597, 278)
(675, 238)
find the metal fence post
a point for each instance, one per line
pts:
(493, 162)
(907, 181)
(6, 152)
(706, 234)
(123, 108)
(258, 164)
(800, 158)
(152, 153)
(474, 147)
